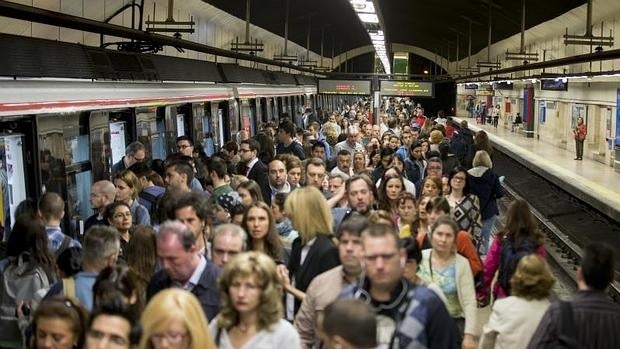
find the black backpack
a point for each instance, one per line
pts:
(510, 257)
(154, 205)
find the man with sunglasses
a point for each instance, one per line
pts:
(134, 153)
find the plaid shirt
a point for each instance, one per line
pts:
(55, 237)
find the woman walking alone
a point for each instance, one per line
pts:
(580, 135)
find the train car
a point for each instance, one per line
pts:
(62, 135)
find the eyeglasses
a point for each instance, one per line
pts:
(121, 215)
(244, 150)
(174, 338)
(183, 146)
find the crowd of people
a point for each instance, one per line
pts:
(334, 230)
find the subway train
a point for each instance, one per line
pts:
(65, 121)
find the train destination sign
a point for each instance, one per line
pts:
(407, 88)
(344, 87)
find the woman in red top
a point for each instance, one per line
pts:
(580, 135)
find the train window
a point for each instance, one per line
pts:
(207, 134)
(254, 116)
(65, 163)
(100, 155)
(246, 117)
(150, 131)
(233, 119)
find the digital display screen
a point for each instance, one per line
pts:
(471, 86)
(407, 88)
(503, 86)
(344, 87)
(553, 85)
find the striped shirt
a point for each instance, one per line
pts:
(596, 321)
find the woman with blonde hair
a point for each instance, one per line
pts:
(485, 184)
(127, 189)
(174, 319)
(251, 314)
(313, 252)
(515, 318)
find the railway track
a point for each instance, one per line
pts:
(567, 222)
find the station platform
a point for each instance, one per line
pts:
(593, 182)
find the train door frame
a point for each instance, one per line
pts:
(172, 123)
(73, 173)
(245, 116)
(150, 127)
(24, 126)
(255, 116)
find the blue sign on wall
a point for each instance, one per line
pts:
(618, 118)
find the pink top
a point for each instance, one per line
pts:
(491, 266)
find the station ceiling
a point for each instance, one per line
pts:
(428, 24)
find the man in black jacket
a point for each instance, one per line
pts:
(253, 168)
(185, 267)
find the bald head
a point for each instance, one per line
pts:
(102, 194)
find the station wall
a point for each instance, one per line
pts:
(556, 112)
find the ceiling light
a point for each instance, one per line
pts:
(363, 6)
(368, 17)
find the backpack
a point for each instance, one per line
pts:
(154, 204)
(19, 281)
(510, 257)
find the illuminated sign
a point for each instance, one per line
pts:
(344, 87)
(407, 88)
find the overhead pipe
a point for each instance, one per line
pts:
(584, 58)
(522, 26)
(170, 11)
(38, 15)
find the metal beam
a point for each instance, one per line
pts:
(585, 58)
(38, 15)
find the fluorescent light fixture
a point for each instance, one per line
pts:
(363, 6)
(368, 17)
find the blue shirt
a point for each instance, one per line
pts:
(84, 282)
(55, 237)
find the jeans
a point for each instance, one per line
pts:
(579, 148)
(487, 227)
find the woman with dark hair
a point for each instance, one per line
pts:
(266, 147)
(465, 206)
(521, 234)
(118, 214)
(27, 271)
(249, 192)
(448, 159)
(482, 142)
(118, 281)
(258, 222)
(59, 323)
(391, 186)
(142, 255)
